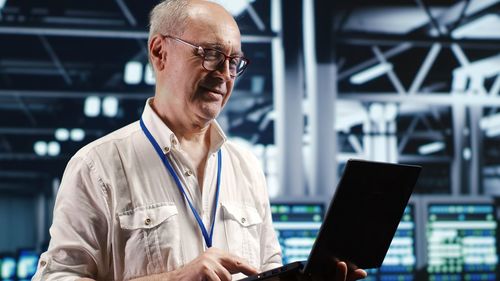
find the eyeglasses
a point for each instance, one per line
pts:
(214, 59)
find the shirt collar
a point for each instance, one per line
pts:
(167, 139)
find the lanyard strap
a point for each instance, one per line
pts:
(164, 159)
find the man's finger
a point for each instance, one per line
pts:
(223, 273)
(341, 272)
(236, 265)
(357, 274)
(212, 276)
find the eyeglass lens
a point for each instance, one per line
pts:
(213, 60)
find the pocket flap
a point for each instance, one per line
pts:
(244, 215)
(146, 216)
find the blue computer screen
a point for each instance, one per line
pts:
(400, 261)
(8, 270)
(26, 264)
(297, 226)
(461, 242)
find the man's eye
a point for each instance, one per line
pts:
(211, 55)
(235, 61)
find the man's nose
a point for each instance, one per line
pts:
(223, 69)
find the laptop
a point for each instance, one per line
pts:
(360, 223)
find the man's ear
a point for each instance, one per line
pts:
(157, 52)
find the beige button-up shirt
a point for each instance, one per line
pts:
(119, 214)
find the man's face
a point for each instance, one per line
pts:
(197, 93)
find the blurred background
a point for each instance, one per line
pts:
(413, 82)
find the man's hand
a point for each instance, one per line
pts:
(345, 273)
(212, 265)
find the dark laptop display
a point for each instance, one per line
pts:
(360, 223)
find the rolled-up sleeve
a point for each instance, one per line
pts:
(79, 245)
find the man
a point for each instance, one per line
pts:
(168, 197)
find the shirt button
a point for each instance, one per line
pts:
(243, 220)
(166, 149)
(174, 142)
(147, 221)
(43, 263)
(188, 173)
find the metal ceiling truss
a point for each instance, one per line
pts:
(466, 103)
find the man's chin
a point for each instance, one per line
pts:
(210, 112)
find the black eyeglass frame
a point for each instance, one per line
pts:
(202, 53)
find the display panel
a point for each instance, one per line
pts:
(400, 261)
(461, 242)
(26, 264)
(297, 225)
(7, 268)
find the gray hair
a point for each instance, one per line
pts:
(168, 17)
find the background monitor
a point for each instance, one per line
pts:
(8, 268)
(461, 240)
(297, 225)
(27, 262)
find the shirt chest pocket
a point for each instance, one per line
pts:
(242, 229)
(151, 239)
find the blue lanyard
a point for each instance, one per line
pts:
(164, 159)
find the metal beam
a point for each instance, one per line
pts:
(442, 98)
(25, 175)
(110, 34)
(126, 12)
(387, 54)
(477, 152)
(382, 39)
(255, 17)
(43, 131)
(405, 158)
(31, 157)
(73, 94)
(406, 137)
(424, 69)
(456, 169)
(392, 75)
(57, 94)
(55, 59)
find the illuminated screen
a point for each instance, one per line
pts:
(461, 242)
(8, 269)
(26, 264)
(400, 261)
(297, 226)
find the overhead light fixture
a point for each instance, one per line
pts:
(485, 27)
(53, 148)
(257, 86)
(110, 106)
(77, 134)
(391, 112)
(2, 3)
(133, 73)
(490, 121)
(92, 106)
(493, 132)
(149, 76)
(431, 148)
(61, 134)
(376, 111)
(370, 73)
(467, 153)
(40, 148)
(235, 7)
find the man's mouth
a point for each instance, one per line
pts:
(213, 90)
